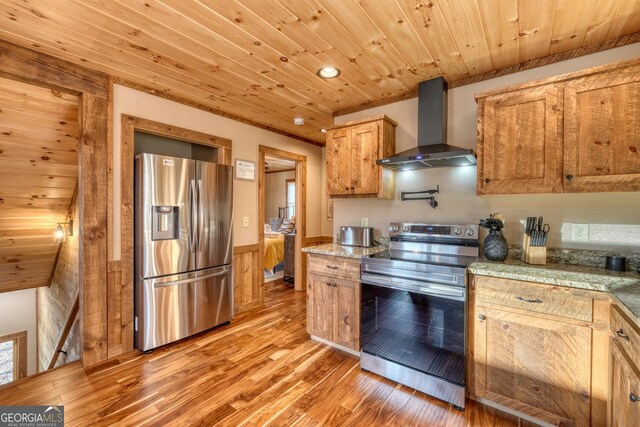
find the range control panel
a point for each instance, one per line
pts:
(416, 231)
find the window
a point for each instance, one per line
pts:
(13, 357)
(291, 198)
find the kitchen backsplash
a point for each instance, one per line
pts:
(588, 258)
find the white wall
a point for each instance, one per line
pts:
(246, 140)
(17, 314)
(457, 199)
(275, 189)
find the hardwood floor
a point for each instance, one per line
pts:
(260, 370)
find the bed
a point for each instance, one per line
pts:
(273, 250)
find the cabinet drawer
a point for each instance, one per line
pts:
(626, 334)
(347, 268)
(534, 297)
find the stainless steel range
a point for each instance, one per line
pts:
(414, 305)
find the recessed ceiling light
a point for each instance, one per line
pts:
(328, 72)
(323, 130)
(298, 121)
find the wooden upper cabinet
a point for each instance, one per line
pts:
(520, 142)
(364, 151)
(578, 132)
(339, 168)
(602, 132)
(352, 151)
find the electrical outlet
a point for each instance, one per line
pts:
(364, 222)
(580, 233)
(245, 222)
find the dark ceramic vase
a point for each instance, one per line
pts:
(495, 246)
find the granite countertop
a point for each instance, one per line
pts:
(335, 249)
(623, 286)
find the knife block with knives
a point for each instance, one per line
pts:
(534, 241)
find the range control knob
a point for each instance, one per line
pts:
(393, 228)
(469, 232)
(457, 231)
(405, 228)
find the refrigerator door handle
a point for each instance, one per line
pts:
(191, 279)
(202, 221)
(193, 223)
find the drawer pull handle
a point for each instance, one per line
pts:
(534, 301)
(334, 285)
(633, 397)
(621, 334)
(332, 267)
(482, 316)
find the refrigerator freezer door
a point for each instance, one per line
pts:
(215, 189)
(165, 223)
(175, 307)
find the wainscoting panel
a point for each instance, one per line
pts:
(248, 291)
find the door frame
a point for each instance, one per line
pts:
(120, 285)
(92, 89)
(301, 210)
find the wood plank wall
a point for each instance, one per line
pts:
(248, 291)
(54, 302)
(27, 66)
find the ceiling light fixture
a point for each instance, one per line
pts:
(323, 130)
(298, 121)
(328, 72)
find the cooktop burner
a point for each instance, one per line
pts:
(448, 245)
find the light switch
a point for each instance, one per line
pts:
(364, 222)
(245, 222)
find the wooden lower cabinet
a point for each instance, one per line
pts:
(624, 399)
(333, 310)
(624, 373)
(534, 365)
(540, 350)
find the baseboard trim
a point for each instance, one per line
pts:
(338, 346)
(512, 411)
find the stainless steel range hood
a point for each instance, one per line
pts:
(432, 150)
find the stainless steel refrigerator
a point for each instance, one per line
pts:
(183, 248)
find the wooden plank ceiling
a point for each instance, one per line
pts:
(257, 60)
(276, 164)
(38, 178)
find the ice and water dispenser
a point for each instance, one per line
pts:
(165, 222)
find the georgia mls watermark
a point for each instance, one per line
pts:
(31, 416)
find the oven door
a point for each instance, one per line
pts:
(415, 324)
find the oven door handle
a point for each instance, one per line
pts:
(447, 292)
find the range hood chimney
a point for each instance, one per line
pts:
(432, 150)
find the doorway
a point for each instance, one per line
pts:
(281, 214)
(280, 219)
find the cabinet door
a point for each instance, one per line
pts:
(602, 133)
(365, 173)
(520, 143)
(346, 314)
(624, 410)
(538, 366)
(339, 181)
(319, 308)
